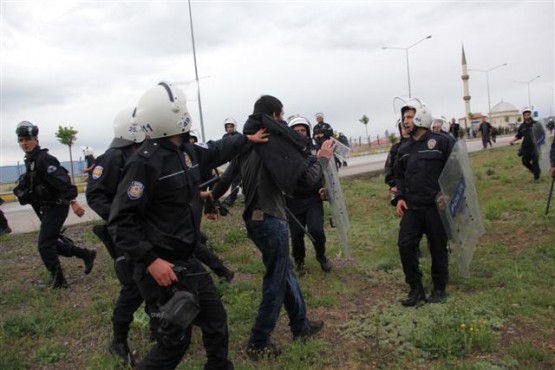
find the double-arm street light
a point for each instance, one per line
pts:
(407, 56)
(529, 82)
(487, 71)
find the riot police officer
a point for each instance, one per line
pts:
(420, 161)
(47, 187)
(101, 189)
(527, 131)
(230, 125)
(155, 220)
(307, 207)
(323, 131)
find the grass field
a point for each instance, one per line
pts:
(501, 317)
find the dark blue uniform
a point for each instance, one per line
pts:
(419, 165)
(101, 189)
(527, 131)
(50, 192)
(156, 214)
(308, 208)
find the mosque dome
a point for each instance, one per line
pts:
(503, 107)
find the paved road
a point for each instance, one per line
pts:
(22, 218)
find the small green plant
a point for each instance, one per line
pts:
(24, 325)
(528, 353)
(477, 336)
(51, 354)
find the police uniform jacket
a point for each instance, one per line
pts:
(156, 211)
(390, 164)
(47, 181)
(418, 167)
(526, 132)
(103, 182)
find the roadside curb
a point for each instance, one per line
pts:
(9, 196)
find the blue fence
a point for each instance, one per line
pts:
(12, 173)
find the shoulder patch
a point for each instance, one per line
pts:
(135, 190)
(97, 172)
(432, 143)
(51, 169)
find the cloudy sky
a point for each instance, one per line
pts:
(78, 63)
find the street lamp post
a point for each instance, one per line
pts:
(529, 82)
(406, 49)
(487, 71)
(196, 74)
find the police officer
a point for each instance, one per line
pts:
(155, 220)
(307, 207)
(101, 189)
(527, 132)
(389, 167)
(230, 125)
(47, 187)
(421, 160)
(323, 131)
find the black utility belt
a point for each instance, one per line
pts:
(54, 203)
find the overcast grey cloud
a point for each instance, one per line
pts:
(78, 63)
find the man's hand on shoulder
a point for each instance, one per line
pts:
(261, 136)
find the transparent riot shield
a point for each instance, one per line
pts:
(339, 214)
(543, 146)
(342, 151)
(458, 207)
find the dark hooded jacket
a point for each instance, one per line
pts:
(284, 154)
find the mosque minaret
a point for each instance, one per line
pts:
(466, 97)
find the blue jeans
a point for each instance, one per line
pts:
(280, 285)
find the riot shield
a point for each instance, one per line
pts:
(543, 146)
(342, 151)
(458, 207)
(338, 208)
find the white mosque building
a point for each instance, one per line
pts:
(505, 115)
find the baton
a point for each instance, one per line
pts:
(549, 196)
(209, 182)
(300, 225)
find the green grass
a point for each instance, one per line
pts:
(501, 317)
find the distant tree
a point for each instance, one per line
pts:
(392, 138)
(68, 136)
(386, 133)
(364, 120)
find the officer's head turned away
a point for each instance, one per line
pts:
(162, 112)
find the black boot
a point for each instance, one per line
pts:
(325, 264)
(58, 279)
(88, 256)
(119, 346)
(225, 273)
(437, 296)
(301, 269)
(120, 349)
(415, 295)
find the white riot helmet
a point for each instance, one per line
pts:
(423, 115)
(298, 120)
(87, 150)
(440, 123)
(126, 129)
(230, 121)
(527, 110)
(162, 112)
